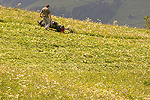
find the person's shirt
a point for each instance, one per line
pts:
(45, 12)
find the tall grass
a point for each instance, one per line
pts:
(97, 61)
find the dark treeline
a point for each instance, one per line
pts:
(99, 9)
(61, 12)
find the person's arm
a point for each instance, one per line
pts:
(40, 14)
(50, 16)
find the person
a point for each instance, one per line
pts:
(46, 13)
(54, 24)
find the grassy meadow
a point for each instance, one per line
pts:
(97, 61)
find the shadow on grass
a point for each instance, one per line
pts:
(1, 20)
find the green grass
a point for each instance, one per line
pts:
(97, 61)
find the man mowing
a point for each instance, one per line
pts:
(46, 13)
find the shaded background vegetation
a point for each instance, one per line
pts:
(97, 10)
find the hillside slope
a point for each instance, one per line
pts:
(97, 61)
(138, 8)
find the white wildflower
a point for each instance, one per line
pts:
(18, 5)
